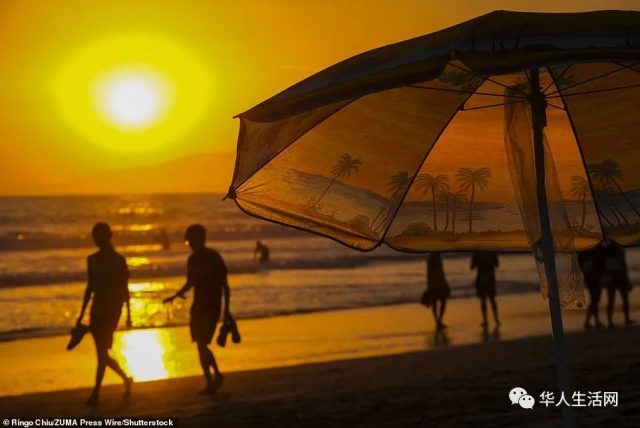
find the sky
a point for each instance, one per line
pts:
(66, 66)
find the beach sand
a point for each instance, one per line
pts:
(426, 381)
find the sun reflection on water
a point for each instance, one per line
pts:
(144, 353)
(138, 261)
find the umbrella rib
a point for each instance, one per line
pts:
(628, 67)
(561, 75)
(583, 159)
(463, 108)
(595, 91)
(462, 91)
(421, 164)
(555, 106)
(609, 73)
(488, 79)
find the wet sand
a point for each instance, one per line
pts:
(43, 364)
(455, 386)
(339, 375)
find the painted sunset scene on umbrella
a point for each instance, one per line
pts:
(328, 214)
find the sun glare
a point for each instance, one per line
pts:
(133, 93)
(144, 353)
(133, 99)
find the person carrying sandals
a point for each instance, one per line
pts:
(207, 275)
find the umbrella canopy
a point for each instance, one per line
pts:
(510, 132)
(399, 145)
(426, 144)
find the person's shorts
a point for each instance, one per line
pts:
(103, 325)
(203, 324)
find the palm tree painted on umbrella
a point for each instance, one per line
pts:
(444, 198)
(580, 189)
(469, 178)
(341, 169)
(607, 195)
(398, 184)
(434, 185)
(456, 199)
(609, 174)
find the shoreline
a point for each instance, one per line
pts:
(527, 288)
(160, 353)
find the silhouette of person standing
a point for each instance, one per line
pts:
(615, 277)
(262, 251)
(207, 275)
(108, 278)
(164, 239)
(592, 267)
(486, 263)
(438, 290)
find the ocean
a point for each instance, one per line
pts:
(44, 242)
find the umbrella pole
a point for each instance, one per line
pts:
(539, 121)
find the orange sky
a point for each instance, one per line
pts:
(251, 50)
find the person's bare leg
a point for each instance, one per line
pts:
(434, 309)
(494, 309)
(102, 365)
(217, 374)
(443, 305)
(483, 309)
(113, 364)
(625, 307)
(587, 320)
(596, 314)
(611, 293)
(208, 360)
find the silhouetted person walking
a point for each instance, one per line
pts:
(437, 289)
(615, 277)
(262, 251)
(592, 267)
(486, 263)
(108, 278)
(207, 275)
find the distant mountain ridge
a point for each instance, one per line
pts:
(201, 173)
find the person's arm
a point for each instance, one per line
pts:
(128, 297)
(180, 293)
(227, 297)
(186, 287)
(225, 286)
(87, 294)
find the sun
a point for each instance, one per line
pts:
(133, 93)
(132, 99)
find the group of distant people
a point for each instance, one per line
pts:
(605, 268)
(108, 278)
(438, 290)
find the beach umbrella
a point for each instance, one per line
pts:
(509, 132)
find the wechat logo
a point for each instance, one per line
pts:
(519, 396)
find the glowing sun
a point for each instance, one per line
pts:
(133, 93)
(132, 99)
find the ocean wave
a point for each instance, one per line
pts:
(25, 278)
(459, 292)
